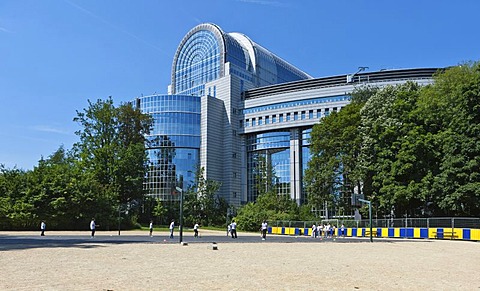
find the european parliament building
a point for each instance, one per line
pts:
(235, 109)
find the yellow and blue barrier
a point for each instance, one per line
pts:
(470, 234)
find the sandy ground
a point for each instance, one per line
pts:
(398, 265)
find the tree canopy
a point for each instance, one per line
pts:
(407, 148)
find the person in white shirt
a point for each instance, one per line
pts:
(151, 228)
(172, 226)
(314, 231)
(234, 229)
(195, 230)
(264, 230)
(92, 227)
(327, 230)
(43, 226)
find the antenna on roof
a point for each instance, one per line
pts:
(350, 77)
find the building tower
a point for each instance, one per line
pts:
(198, 122)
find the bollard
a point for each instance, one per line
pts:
(184, 243)
(214, 246)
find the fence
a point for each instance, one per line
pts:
(423, 228)
(446, 222)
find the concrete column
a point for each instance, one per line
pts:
(296, 165)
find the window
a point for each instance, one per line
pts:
(319, 113)
(247, 123)
(234, 155)
(295, 116)
(280, 118)
(260, 121)
(288, 117)
(274, 118)
(303, 115)
(267, 119)
(310, 114)
(254, 122)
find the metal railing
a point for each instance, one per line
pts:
(450, 222)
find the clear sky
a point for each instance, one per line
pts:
(57, 54)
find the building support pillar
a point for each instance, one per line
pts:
(296, 165)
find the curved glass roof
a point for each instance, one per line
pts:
(203, 52)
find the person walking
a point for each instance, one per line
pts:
(93, 226)
(172, 227)
(195, 230)
(43, 226)
(264, 230)
(151, 228)
(234, 229)
(229, 229)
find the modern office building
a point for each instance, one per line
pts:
(236, 109)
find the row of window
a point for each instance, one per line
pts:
(286, 117)
(297, 103)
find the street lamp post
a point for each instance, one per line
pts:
(181, 213)
(369, 215)
(119, 217)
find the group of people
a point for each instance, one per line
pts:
(196, 227)
(93, 226)
(231, 229)
(323, 230)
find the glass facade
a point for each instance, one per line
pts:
(306, 157)
(198, 63)
(174, 143)
(268, 163)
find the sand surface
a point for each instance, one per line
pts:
(398, 265)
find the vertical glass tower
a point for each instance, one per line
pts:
(174, 142)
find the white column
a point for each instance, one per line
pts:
(295, 165)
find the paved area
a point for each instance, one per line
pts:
(24, 240)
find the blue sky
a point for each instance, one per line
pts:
(57, 54)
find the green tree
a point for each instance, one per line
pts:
(395, 155)
(16, 209)
(451, 111)
(159, 210)
(211, 208)
(332, 173)
(112, 149)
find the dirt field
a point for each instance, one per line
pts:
(399, 265)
